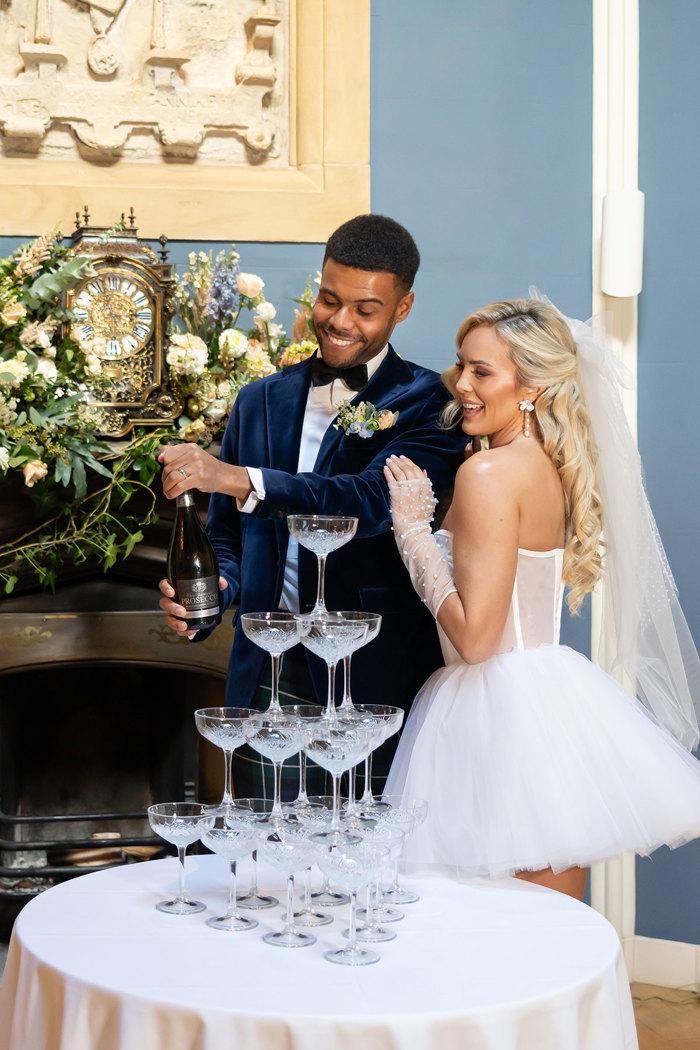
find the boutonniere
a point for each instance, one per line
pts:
(363, 419)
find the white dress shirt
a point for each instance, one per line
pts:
(322, 404)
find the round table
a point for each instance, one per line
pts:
(476, 966)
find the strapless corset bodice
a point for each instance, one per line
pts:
(534, 615)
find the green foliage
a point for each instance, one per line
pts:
(96, 524)
(46, 288)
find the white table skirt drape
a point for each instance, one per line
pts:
(475, 966)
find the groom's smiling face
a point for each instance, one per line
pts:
(356, 311)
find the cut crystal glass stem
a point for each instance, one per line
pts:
(320, 606)
(231, 910)
(228, 784)
(367, 795)
(347, 699)
(275, 681)
(302, 796)
(330, 702)
(181, 870)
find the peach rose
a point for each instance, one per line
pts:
(387, 419)
(12, 313)
(34, 471)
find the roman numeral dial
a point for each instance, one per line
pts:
(116, 312)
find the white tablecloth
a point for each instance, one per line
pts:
(476, 966)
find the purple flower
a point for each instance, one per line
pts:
(223, 300)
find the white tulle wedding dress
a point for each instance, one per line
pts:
(536, 758)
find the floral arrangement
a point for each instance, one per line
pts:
(217, 355)
(363, 419)
(51, 450)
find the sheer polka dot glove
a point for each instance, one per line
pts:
(412, 510)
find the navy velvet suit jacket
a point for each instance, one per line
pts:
(264, 431)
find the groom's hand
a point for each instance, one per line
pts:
(188, 466)
(174, 612)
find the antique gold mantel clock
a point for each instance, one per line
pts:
(125, 311)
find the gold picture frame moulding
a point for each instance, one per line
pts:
(328, 180)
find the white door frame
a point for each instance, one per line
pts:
(615, 168)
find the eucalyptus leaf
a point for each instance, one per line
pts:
(94, 464)
(79, 477)
(62, 470)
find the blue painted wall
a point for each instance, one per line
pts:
(480, 144)
(668, 903)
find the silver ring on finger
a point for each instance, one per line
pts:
(183, 472)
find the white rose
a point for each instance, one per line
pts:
(188, 354)
(265, 311)
(4, 458)
(43, 339)
(249, 284)
(93, 364)
(15, 369)
(46, 368)
(216, 410)
(50, 351)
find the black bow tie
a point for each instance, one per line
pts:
(321, 374)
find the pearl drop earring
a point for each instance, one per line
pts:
(526, 407)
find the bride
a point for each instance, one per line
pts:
(535, 762)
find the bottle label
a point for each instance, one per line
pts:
(199, 598)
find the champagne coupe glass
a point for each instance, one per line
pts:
(316, 819)
(331, 637)
(223, 727)
(275, 632)
(179, 823)
(381, 721)
(288, 849)
(406, 813)
(372, 930)
(321, 533)
(277, 737)
(374, 622)
(254, 811)
(229, 835)
(352, 865)
(392, 724)
(336, 745)
(302, 803)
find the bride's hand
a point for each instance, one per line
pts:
(401, 468)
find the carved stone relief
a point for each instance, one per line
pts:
(145, 81)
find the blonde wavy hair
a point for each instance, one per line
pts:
(541, 347)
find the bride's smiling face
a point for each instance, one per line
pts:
(488, 387)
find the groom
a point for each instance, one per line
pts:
(282, 454)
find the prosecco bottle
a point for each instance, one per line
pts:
(192, 567)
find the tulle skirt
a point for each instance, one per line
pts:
(537, 759)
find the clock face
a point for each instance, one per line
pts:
(117, 307)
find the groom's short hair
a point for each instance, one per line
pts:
(375, 242)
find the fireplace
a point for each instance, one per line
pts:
(96, 722)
